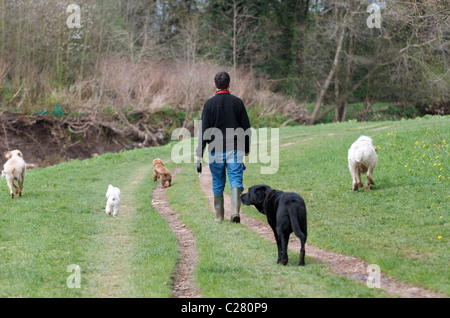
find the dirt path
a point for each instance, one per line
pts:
(183, 278)
(349, 266)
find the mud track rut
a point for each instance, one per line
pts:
(349, 266)
(340, 264)
(184, 280)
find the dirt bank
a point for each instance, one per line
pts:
(46, 140)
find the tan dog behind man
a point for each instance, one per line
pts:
(161, 172)
(14, 170)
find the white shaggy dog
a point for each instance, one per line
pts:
(113, 203)
(362, 158)
(14, 170)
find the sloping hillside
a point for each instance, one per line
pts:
(400, 225)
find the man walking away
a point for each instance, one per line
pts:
(226, 128)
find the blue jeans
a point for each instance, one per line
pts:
(232, 162)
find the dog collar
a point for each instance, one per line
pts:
(268, 195)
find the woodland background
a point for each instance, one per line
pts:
(140, 67)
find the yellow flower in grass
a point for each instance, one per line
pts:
(439, 237)
(406, 166)
(439, 176)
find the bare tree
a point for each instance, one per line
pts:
(341, 31)
(239, 25)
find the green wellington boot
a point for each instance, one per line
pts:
(235, 205)
(218, 206)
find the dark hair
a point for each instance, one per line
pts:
(222, 80)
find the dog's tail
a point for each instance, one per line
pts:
(299, 226)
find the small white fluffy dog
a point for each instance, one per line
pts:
(14, 170)
(362, 158)
(113, 203)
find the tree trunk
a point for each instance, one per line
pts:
(347, 94)
(348, 73)
(234, 34)
(337, 17)
(335, 65)
(368, 102)
(3, 25)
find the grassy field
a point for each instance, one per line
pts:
(60, 220)
(235, 262)
(401, 225)
(378, 112)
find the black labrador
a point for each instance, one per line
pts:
(286, 213)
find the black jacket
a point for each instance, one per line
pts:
(224, 111)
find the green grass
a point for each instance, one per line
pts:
(60, 220)
(235, 262)
(380, 111)
(401, 225)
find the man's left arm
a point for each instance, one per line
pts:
(245, 124)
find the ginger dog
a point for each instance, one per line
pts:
(161, 172)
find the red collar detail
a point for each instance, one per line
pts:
(268, 195)
(222, 92)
